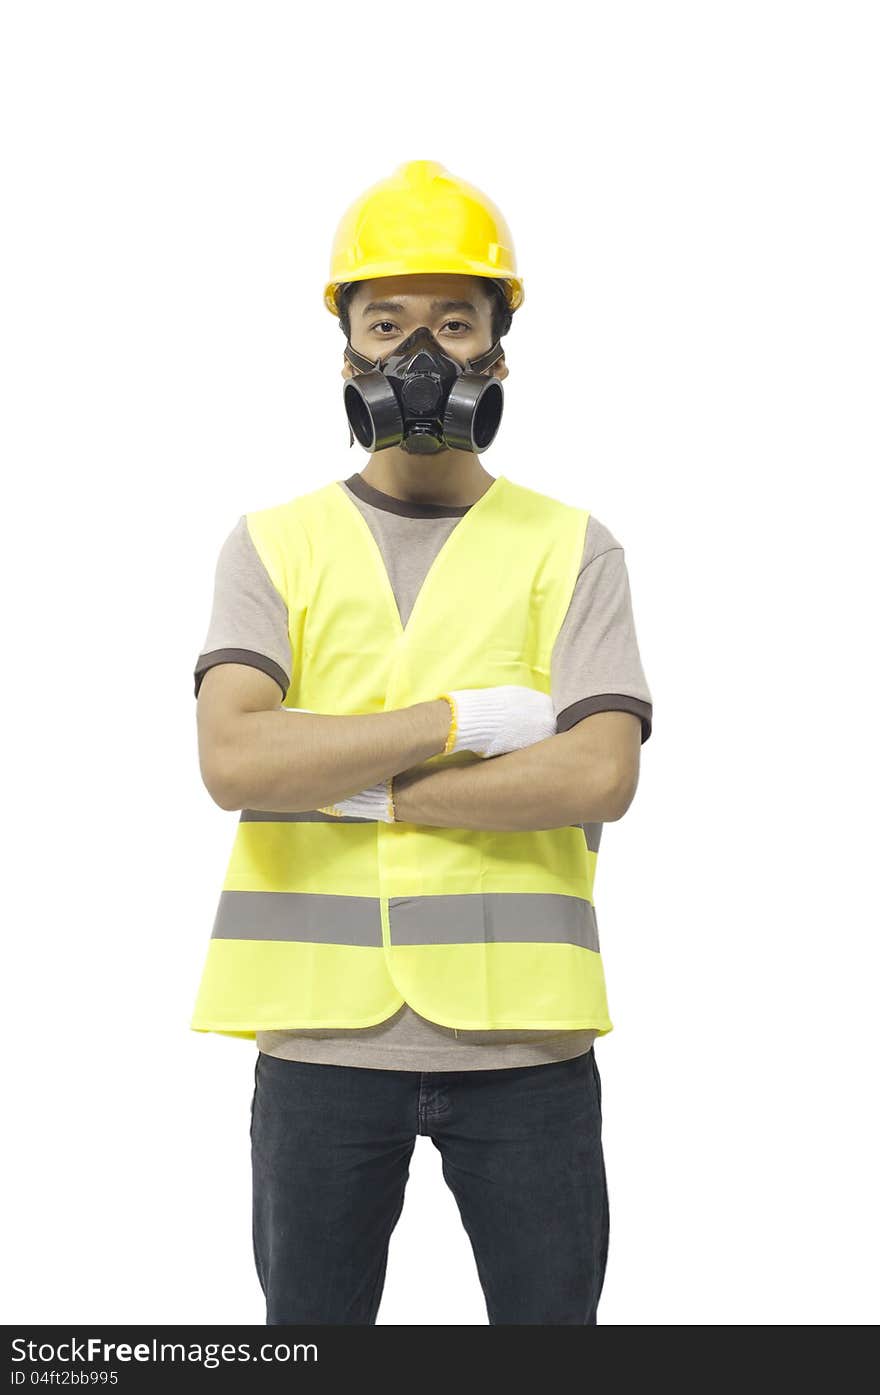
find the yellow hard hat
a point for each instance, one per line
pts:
(422, 218)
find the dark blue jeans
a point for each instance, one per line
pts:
(521, 1151)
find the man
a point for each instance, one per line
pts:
(421, 687)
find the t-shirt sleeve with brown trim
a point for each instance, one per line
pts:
(596, 666)
(249, 621)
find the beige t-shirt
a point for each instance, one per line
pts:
(595, 667)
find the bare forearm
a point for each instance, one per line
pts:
(288, 762)
(546, 785)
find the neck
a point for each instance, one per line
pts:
(451, 477)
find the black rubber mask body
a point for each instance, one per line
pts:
(421, 399)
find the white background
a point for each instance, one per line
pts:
(692, 190)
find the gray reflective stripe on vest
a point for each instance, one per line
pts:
(592, 831)
(511, 917)
(502, 917)
(593, 834)
(299, 915)
(493, 917)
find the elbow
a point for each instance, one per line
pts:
(231, 802)
(619, 790)
(611, 791)
(217, 777)
(223, 762)
(223, 794)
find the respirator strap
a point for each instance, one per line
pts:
(473, 365)
(360, 361)
(476, 365)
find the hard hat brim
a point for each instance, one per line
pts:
(514, 290)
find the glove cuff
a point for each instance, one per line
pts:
(377, 802)
(453, 724)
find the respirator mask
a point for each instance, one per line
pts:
(422, 400)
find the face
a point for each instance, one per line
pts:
(457, 310)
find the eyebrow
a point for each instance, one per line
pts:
(392, 306)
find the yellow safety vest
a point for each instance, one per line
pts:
(329, 922)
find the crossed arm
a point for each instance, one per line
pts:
(585, 775)
(255, 755)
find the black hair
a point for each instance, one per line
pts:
(502, 315)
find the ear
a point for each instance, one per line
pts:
(499, 368)
(347, 369)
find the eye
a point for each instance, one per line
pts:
(388, 324)
(463, 323)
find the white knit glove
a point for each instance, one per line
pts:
(491, 721)
(373, 803)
